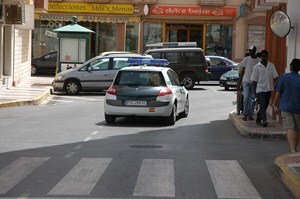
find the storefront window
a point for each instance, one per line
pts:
(107, 37)
(43, 39)
(219, 40)
(132, 35)
(152, 34)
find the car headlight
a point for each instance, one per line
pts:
(58, 77)
(223, 78)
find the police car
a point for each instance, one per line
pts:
(146, 88)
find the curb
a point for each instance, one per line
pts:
(290, 178)
(35, 101)
(252, 133)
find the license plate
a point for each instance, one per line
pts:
(135, 103)
(232, 83)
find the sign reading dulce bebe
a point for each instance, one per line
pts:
(193, 11)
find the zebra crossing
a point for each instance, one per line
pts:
(156, 178)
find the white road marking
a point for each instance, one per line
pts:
(78, 146)
(229, 180)
(17, 171)
(68, 155)
(24, 196)
(95, 132)
(82, 178)
(156, 178)
(87, 139)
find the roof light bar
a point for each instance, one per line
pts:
(148, 62)
(172, 44)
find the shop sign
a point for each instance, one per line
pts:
(102, 19)
(193, 11)
(90, 8)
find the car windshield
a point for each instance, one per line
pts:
(140, 78)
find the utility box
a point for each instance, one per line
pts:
(74, 45)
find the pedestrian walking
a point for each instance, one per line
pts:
(287, 91)
(247, 67)
(263, 75)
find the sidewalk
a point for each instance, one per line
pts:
(34, 90)
(31, 91)
(288, 165)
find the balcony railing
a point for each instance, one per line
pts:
(211, 2)
(144, 1)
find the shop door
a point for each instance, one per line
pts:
(179, 35)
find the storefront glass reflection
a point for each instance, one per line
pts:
(152, 33)
(107, 37)
(132, 35)
(219, 40)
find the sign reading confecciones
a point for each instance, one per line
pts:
(90, 8)
(167, 10)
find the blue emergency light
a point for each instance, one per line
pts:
(147, 62)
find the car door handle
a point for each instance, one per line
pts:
(106, 75)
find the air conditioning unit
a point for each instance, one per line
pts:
(14, 14)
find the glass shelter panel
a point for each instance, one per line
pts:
(69, 50)
(82, 50)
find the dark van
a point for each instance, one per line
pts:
(188, 62)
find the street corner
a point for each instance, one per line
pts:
(251, 130)
(288, 166)
(26, 100)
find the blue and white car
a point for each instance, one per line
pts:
(146, 90)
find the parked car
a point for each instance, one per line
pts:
(219, 65)
(188, 62)
(229, 79)
(94, 75)
(44, 64)
(146, 91)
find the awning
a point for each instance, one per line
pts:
(89, 18)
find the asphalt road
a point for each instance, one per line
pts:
(64, 149)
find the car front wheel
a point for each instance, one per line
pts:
(170, 120)
(110, 118)
(186, 109)
(188, 81)
(72, 87)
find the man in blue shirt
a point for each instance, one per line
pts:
(288, 90)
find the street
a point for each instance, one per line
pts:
(64, 149)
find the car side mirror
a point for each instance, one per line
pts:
(89, 69)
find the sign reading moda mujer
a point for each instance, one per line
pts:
(90, 8)
(167, 10)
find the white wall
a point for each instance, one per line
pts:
(22, 55)
(293, 39)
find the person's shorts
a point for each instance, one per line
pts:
(290, 121)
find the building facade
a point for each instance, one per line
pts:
(220, 27)
(16, 23)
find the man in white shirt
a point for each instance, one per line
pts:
(247, 67)
(262, 77)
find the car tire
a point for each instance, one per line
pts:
(188, 80)
(110, 119)
(170, 120)
(185, 112)
(226, 88)
(72, 87)
(33, 70)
